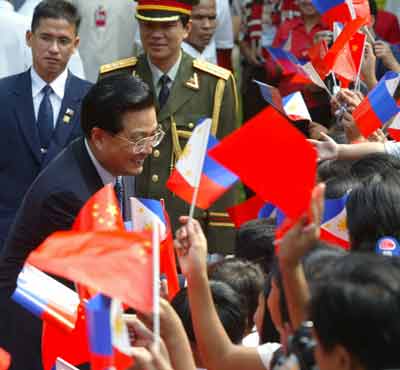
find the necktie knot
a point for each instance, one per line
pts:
(47, 90)
(164, 79)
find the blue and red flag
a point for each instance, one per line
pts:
(46, 298)
(379, 106)
(215, 180)
(145, 212)
(334, 10)
(334, 226)
(286, 60)
(271, 95)
(99, 332)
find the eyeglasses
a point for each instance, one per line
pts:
(140, 145)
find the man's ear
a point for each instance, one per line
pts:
(28, 38)
(97, 137)
(344, 359)
(77, 42)
(188, 28)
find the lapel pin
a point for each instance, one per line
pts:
(68, 115)
(193, 82)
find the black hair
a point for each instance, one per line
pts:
(357, 305)
(373, 211)
(373, 164)
(56, 9)
(245, 277)
(228, 305)
(337, 187)
(332, 168)
(314, 262)
(255, 242)
(373, 7)
(111, 97)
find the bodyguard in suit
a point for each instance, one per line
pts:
(120, 128)
(39, 112)
(187, 89)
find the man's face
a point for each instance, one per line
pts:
(52, 43)
(117, 152)
(162, 40)
(204, 23)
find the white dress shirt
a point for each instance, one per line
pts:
(56, 97)
(15, 56)
(106, 177)
(157, 74)
(209, 53)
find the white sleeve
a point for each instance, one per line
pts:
(224, 32)
(266, 351)
(392, 148)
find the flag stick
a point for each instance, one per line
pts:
(369, 34)
(335, 84)
(358, 78)
(156, 286)
(200, 169)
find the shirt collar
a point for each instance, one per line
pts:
(105, 176)
(5, 5)
(157, 73)
(58, 85)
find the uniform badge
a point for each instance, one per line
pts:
(68, 115)
(193, 82)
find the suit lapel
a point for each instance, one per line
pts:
(180, 92)
(69, 114)
(26, 114)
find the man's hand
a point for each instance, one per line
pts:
(368, 66)
(350, 128)
(191, 246)
(327, 149)
(303, 235)
(384, 52)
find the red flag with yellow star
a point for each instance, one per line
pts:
(116, 263)
(100, 213)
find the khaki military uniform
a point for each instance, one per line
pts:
(200, 90)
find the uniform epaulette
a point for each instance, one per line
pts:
(119, 64)
(212, 69)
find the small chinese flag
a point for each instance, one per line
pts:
(273, 159)
(100, 212)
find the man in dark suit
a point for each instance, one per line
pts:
(40, 107)
(119, 122)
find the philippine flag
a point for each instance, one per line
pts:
(379, 106)
(286, 60)
(215, 180)
(394, 128)
(334, 226)
(107, 334)
(145, 212)
(335, 10)
(295, 107)
(46, 298)
(271, 95)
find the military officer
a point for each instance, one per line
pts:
(187, 89)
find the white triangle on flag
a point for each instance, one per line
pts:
(295, 106)
(337, 226)
(190, 163)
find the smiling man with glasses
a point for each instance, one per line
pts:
(120, 128)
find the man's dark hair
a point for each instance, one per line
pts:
(56, 9)
(333, 168)
(357, 305)
(373, 164)
(255, 242)
(111, 97)
(373, 211)
(373, 7)
(245, 277)
(228, 305)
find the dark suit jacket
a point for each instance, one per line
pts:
(51, 204)
(20, 156)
